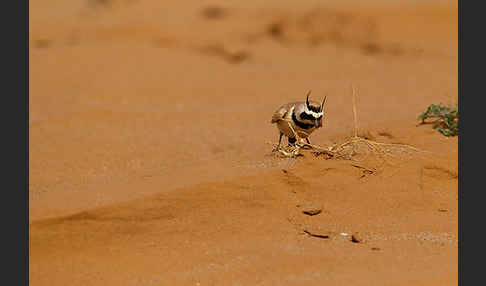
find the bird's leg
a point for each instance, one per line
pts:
(292, 141)
(296, 136)
(279, 140)
(295, 142)
(308, 145)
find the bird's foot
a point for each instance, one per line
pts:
(307, 146)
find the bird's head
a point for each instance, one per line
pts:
(311, 112)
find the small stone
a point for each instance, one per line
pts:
(375, 248)
(316, 233)
(312, 210)
(356, 238)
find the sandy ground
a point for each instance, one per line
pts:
(149, 162)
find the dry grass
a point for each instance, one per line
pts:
(351, 147)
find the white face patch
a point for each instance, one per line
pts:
(314, 114)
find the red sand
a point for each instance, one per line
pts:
(148, 155)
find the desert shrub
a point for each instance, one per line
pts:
(446, 118)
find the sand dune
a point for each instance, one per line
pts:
(149, 162)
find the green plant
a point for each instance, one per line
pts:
(446, 118)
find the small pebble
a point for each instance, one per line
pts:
(312, 210)
(356, 238)
(316, 233)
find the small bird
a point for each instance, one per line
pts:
(298, 118)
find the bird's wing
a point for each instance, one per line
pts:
(279, 114)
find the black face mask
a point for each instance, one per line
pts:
(306, 116)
